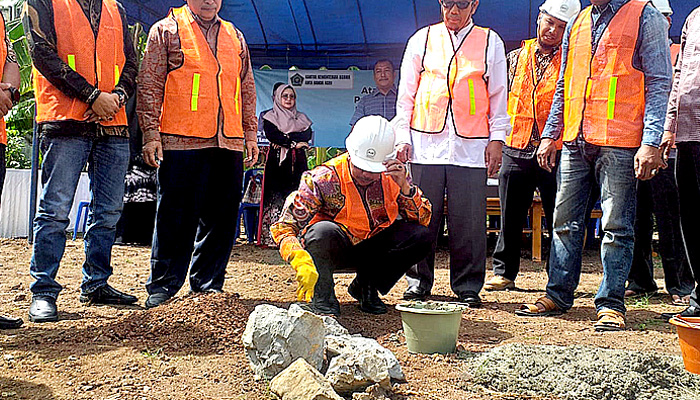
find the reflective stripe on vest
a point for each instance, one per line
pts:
(97, 60)
(603, 92)
(530, 100)
(453, 80)
(353, 216)
(3, 57)
(204, 84)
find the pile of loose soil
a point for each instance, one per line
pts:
(195, 324)
(578, 373)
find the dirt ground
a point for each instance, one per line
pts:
(191, 348)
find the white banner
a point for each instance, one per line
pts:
(324, 79)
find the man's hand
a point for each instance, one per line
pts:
(403, 152)
(647, 162)
(493, 156)
(252, 152)
(153, 153)
(667, 142)
(547, 154)
(307, 276)
(105, 106)
(301, 145)
(5, 98)
(398, 172)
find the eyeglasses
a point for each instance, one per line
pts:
(462, 5)
(289, 96)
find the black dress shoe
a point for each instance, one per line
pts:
(471, 300)
(692, 312)
(368, 297)
(325, 308)
(107, 295)
(10, 322)
(156, 299)
(43, 309)
(415, 293)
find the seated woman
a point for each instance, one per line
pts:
(289, 133)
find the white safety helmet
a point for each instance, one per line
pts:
(663, 6)
(564, 10)
(370, 143)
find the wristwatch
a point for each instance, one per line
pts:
(14, 95)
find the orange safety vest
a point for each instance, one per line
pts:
(353, 216)
(99, 60)
(530, 100)
(603, 93)
(675, 51)
(453, 80)
(204, 84)
(3, 59)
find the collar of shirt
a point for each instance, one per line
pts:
(376, 91)
(202, 23)
(613, 6)
(462, 32)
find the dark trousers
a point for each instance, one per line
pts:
(659, 196)
(198, 196)
(688, 181)
(517, 181)
(379, 261)
(466, 224)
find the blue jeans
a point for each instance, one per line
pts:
(64, 159)
(583, 167)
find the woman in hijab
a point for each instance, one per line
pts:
(289, 133)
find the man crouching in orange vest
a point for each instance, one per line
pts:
(609, 106)
(346, 213)
(196, 107)
(85, 68)
(533, 72)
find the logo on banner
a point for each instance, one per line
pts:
(296, 80)
(321, 79)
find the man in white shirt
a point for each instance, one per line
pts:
(451, 123)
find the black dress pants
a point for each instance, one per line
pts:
(659, 196)
(198, 196)
(517, 181)
(688, 181)
(379, 261)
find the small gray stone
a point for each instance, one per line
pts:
(301, 381)
(359, 362)
(275, 337)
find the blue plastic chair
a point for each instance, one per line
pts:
(81, 218)
(249, 211)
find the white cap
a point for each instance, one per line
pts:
(370, 143)
(564, 10)
(663, 6)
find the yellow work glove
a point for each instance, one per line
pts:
(306, 273)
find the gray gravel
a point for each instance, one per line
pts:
(582, 373)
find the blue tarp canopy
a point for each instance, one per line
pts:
(342, 33)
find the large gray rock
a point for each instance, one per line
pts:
(275, 337)
(333, 327)
(358, 362)
(301, 381)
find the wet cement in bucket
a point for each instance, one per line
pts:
(578, 373)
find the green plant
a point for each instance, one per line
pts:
(18, 152)
(152, 353)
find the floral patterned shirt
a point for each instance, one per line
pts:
(320, 193)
